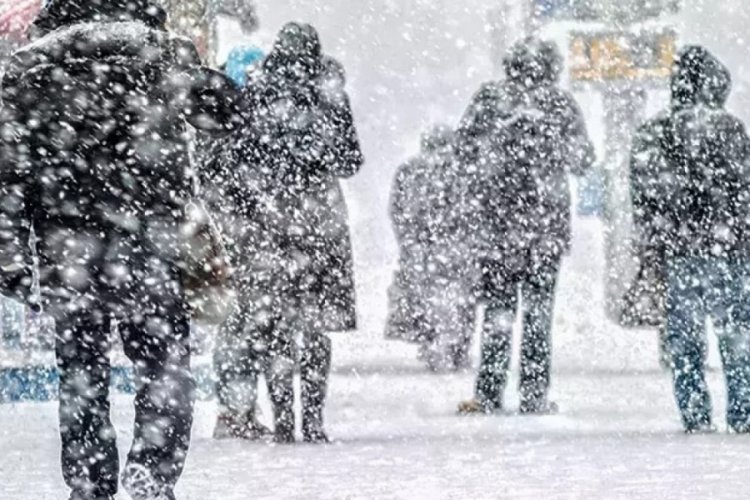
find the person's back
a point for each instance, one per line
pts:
(527, 139)
(690, 192)
(95, 163)
(706, 150)
(100, 116)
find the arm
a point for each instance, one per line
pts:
(646, 161)
(16, 257)
(347, 154)
(578, 150)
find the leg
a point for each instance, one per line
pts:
(158, 346)
(89, 451)
(280, 379)
(238, 362)
(538, 297)
(497, 333)
(732, 324)
(315, 368)
(686, 341)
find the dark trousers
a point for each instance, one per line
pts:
(536, 287)
(256, 341)
(158, 345)
(698, 289)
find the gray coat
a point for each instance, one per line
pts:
(279, 179)
(525, 136)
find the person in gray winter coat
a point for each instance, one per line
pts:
(525, 136)
(432, 297)
(280, 177)
(691, 188)
(94, 163)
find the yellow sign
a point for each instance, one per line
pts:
(606, 57)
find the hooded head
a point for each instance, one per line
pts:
(533, 62)
(334, 73)
(698, 77)
(60, 13)
(439, 140)
(297, 53)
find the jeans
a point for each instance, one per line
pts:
(537, 290)
(698, 289)
(158, 345)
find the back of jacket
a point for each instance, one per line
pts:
(94, 158)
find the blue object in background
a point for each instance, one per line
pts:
(591, 193)
(240, 60)
(38, 383)
(553, 8)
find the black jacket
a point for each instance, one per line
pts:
(689, 177)
(524, 136)
(279, 174)
(94, 154)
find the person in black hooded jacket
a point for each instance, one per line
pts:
(691, 188)
(277, 182)
(94, 163)
(523, 137)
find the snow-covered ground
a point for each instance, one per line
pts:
(397, 434)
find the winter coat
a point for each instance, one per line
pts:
(525, 136)
(689, 178)
(281, 174)
(432, 223)
(94, 158)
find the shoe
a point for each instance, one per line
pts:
(698, 429)
(315, 435)
(233, 426)
(140, 484)
(542, 408)
(76, 495)
(476, 407)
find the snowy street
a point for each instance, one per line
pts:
(397, 435)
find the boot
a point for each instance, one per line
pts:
(231, 425)
(478, 407)
(315, 368)
(281, 389)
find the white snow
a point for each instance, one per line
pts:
(397, 434)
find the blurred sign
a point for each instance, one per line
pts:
(603, 10)
(608, 57)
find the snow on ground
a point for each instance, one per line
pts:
(397, 435)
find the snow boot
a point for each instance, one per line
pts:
(230, 425)
(281, 389)
(315, 367)
(543, 407)
(477, 407)
(84, 496)
(140, 484)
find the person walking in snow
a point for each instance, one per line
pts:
(94, 161)
(296, 278)
(433, 295)
(691, 189)
(524, 137)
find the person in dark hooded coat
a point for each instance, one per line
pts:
(433, 294)
(281, 174)
(691, 187)
(524, 136)
(94, 163)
